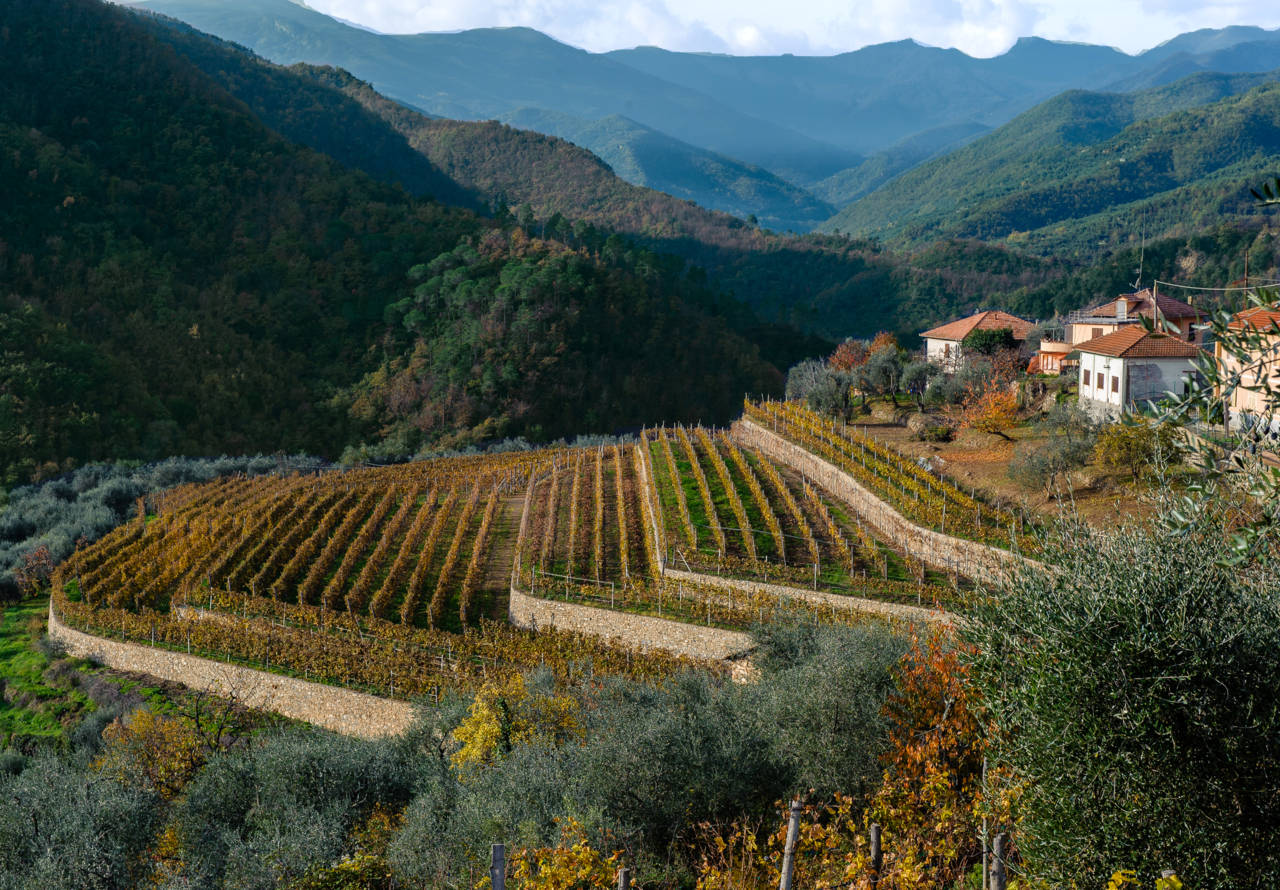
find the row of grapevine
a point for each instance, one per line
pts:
(731, 491)
(682, 503)
(416, 587)
(406, 558)
(759, 497)
(915, 492)
(361, 593)
(479, 551)
(435, 610)
(704, 489)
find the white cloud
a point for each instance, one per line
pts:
(978, 27)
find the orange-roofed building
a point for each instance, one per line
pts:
(1128, 310)
(942, 344)
(1133, 367)
(1243, 402)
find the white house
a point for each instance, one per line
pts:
(942, 344)
(1130, 367)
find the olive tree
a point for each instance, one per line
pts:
(1135, 703)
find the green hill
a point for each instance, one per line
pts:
(644, 156)
(834, 287)
(1084, 170)
(177, 277)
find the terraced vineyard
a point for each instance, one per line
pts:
(395, 579)
(374, 578)
(595, 529)
(921, 496)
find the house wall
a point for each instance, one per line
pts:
(945, 353)
(1241, 401)
(1139, 380)
(1083, 332)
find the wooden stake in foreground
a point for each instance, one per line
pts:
(498, 866)
(789, 852)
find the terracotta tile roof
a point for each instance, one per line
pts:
(1141, 305)
(1257, 317)
(1136, 342)
(991, 320)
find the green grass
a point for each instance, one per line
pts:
(31, 710)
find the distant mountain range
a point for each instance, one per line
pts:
(1086, 169)
(738, 134)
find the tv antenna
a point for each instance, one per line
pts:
(1142, 253)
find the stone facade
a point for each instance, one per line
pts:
(330, 707)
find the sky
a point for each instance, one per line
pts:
(814, 27)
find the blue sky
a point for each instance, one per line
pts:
(979, 27)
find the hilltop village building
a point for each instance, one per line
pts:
(943, 344)
(1242, 403)
(1132, 367)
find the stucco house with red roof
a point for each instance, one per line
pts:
(1128, 310)
(1131, 367)
(942, 344)
(1243, 402)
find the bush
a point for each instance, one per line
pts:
(1136, 445)
(1132, 694)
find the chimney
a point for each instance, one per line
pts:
(1122, 308)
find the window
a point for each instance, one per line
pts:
(1085, 378)
(1097, 332)
(1115, 384)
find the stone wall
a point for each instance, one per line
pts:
(636, 631)
(331, 707)
(970, 558)
(820, 597)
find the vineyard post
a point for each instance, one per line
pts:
(624, 879)
(789, 851)
(998, 877)
(877, 854)
(498, 866)
(986, 838)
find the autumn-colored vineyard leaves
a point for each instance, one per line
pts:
(915, 492)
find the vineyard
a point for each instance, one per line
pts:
(923, 497)
(603, 524)
(379, 579)
(395, 579)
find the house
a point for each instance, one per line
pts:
(1052, 358)
(1128, 310)
(942, 344)
(1132, 367)
(1242, 403)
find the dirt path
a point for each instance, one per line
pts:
(495, 588)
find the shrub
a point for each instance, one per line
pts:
(1131, 692)
(1136, 445)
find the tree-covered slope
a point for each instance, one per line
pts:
(177, 277)
(1087, 168)
(644, 156)
(834, 287)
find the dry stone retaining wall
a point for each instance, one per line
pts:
(820, 597)
(331, 707)
(637, 631)
(970, 558)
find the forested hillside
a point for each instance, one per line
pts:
(644, 156)
(1091, 169)
(179, 278)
